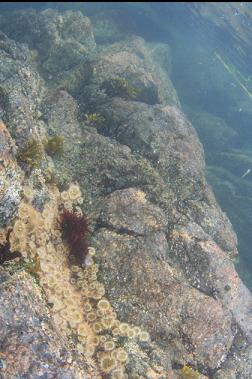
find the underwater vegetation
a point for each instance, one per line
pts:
(74, 230)
(234, 72)
(188, 373)
(5, 253)
(94, 119)
(54, 145)
(32, 154)
(119, 87)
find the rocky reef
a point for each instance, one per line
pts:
(157, 295)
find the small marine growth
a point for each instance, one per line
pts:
(32, 154)
(119, 87)
(188, 373)
(54, 145)
(94, 119)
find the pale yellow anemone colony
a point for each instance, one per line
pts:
(77, 298)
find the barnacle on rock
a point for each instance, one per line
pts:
(137, 330)
(103, 305)
(144, 336)
(87, 307)
(116, 331)
(91, 251)
(95, 340)
(109, 345)
(131, 332)
(97, 327)
(121, 355)
(108, 322)
(91, 316)
(107, 363)
(64, 195)
(123, 328)
(74, 192)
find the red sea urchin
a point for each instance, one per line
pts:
(74, 230)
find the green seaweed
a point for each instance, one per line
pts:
(54, 145)
(120, 87)
(188, 373)
(94, 119)
(32, 154)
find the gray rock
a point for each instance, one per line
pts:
(134, 60)
(164, 136)
(20, 90)
(146, 290)
(11, 178)
(32, 346)
(62, 39)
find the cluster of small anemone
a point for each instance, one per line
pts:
(76, 297)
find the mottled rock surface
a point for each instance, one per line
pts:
(151, 291)
(61, 38)
(11, 177)
(135, 60)
(20, 90)
(31, 346)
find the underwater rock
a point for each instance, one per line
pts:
(142, 217)
(162, 242)
(151, 291)
(11, 177)
(21, 90)
(240, 362)
(60, 113)
(164, 137)
(106, 159)
(62, 39)
(132, 59)
(31, 346)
